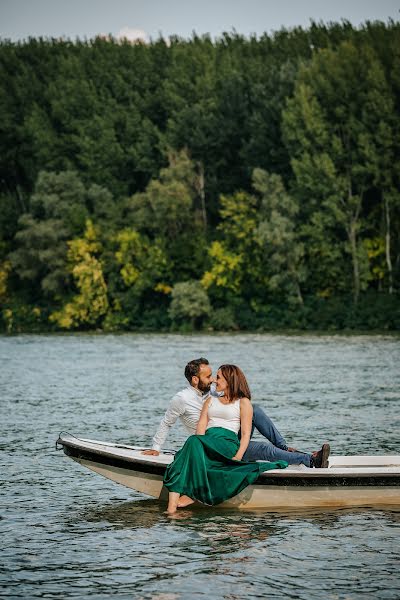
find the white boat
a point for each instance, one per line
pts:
(348, 481)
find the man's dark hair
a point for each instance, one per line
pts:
(193, 367)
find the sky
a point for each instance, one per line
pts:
(148, 19)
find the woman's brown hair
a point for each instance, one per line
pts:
(237, 383)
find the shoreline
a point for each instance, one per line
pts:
(270, 332)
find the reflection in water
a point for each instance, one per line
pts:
(279, 551)
(148, 513)
(132, 515)
(219, 527)
(235, 529)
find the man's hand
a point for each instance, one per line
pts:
(151, 452)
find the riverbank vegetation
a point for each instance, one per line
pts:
(229, 184)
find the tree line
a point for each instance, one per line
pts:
(236, 183)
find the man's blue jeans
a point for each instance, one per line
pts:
(276, 447)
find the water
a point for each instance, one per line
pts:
(69, 533)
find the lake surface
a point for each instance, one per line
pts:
(69, 533)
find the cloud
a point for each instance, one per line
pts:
(132, 35)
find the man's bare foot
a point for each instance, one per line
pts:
(184, 501)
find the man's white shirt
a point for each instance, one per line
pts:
(186, 406)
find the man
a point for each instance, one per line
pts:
(187, 406)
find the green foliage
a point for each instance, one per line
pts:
(144, 271)
(5, 268)
(169, 213)
(223, 319)
(236, 261)
(19, 318)
(335, 127)
(57, 211)
(166, 207)
(226, 271)
(90, 305)
(374, 311)
(9, 214)
(267, 169)
(190, 304)
(278, 235)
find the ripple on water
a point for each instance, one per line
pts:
(69, 533)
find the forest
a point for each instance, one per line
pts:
(235, 184)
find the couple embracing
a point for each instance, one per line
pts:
(217, 461)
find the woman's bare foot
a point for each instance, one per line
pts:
(184, 501)
(173, 499)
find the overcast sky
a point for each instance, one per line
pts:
(147, 19)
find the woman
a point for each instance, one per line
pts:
(209, 467)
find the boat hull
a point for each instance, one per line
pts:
(146, 483)
(342, 485)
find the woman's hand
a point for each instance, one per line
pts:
(246, 415)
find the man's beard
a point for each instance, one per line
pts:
(203, 387)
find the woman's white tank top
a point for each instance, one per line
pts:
(224, 415)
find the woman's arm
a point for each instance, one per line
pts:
(202, 424)
(246, 416)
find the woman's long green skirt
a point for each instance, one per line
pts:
(203, 468)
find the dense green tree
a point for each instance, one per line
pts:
(330, 127)
(9, 215)
(157, 143)
(278, 234)
(58, 212)
(166, 207)
(171, 208)
(190, 304)
(236, 270)
(89, 306)
(144, 276)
